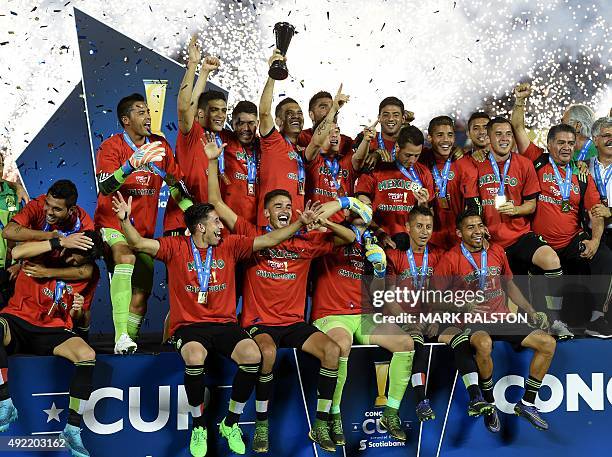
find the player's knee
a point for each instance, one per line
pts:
(331, 353)
(548, 259)
(404, 343)
(268, 354)
(546, 344)
(482, 344)
(85, 352)
(125, 257)
(249, 353)
(193, 354)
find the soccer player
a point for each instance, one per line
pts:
(329, 174)
(135, 161)
(39, 320)
(455, 180)
(411, 265)
(477, 132)
(275, 293)
(470, 266)
(202, 293)
(339, 311)
(565, 218)
(197, 111)
(509, 188)
(395, 188)
(282, 163)
(602, 172)
(318, 108)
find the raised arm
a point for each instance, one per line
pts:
(266, 119)
(521, 94)
(188, 94)
(325, 126)
(212, 151)
(138, 243)
(364, 147)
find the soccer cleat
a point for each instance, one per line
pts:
(532, 414)
(560, 330)
(492, 422)
(424, 411)
(8, 414)
(599, 328)
(393, 424)
(320, 435)
(260, 438)
(125, 345)
(478, 407)
(198, 445)
(72, 437)
(233, 435)
(336, 432)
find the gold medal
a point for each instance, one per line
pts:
(500, 200)
(443, 202)
(565, 206)
(604, 201)
(301, 189)
(202, 297)
(250, 189)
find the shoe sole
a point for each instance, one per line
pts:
(13, 418)
(426, 418)
(532, 422)
(73, 453)
(398, 438)
(597, 334)
(483, 411)
(328, 448)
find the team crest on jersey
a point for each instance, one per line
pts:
(144, 180)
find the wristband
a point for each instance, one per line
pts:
(55, 243)
(127, 168)
(344, 202)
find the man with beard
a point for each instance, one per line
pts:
(340, 310)
(318, 108)
(137, 162)
(396, 187)
(202, 295)
(275, 293)
(601, 170)
(282, 163)
(566, 208)
(509, 188)
(455, 181)
(477, 132)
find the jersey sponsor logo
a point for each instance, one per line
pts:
(273, 275)
(491, 178)
(143, 180)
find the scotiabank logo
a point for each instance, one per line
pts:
(594, 392)
(131, 400)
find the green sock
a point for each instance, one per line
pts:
(133, 325)
(121, 295)
(399, 375)
(337, 398)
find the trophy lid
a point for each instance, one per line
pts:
(284, 25)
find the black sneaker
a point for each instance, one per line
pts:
(492, 422)
(599, 328)
(477, 407)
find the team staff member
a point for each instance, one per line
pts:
(39, 320)
(339, 310)
(137, 162)
(455, 180)
(274, 296)
(565, 206)
(395, 188)
(601, 170)
(202, 293)
(471, 262)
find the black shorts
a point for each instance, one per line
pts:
(285, 336)
(513, 334)
(32, 339)
(218, 337)
(520, 254)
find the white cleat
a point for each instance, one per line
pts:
(560, 330)
(125, 345)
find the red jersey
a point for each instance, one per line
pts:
(320, 183)
(142, 184)
(33, 298)
(346, 142)
(390, 146)
(392, 198)
(183, 286)
(275, 279)
(456, 273)
(279, 170)
(236, 193)
(338, 284)
(521, 183)
(461, 186)
(558, 227)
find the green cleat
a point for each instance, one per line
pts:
(198, 446)
(233, 435)
(320, 435)
(335, 430)
(260, 438)
(393, 424)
